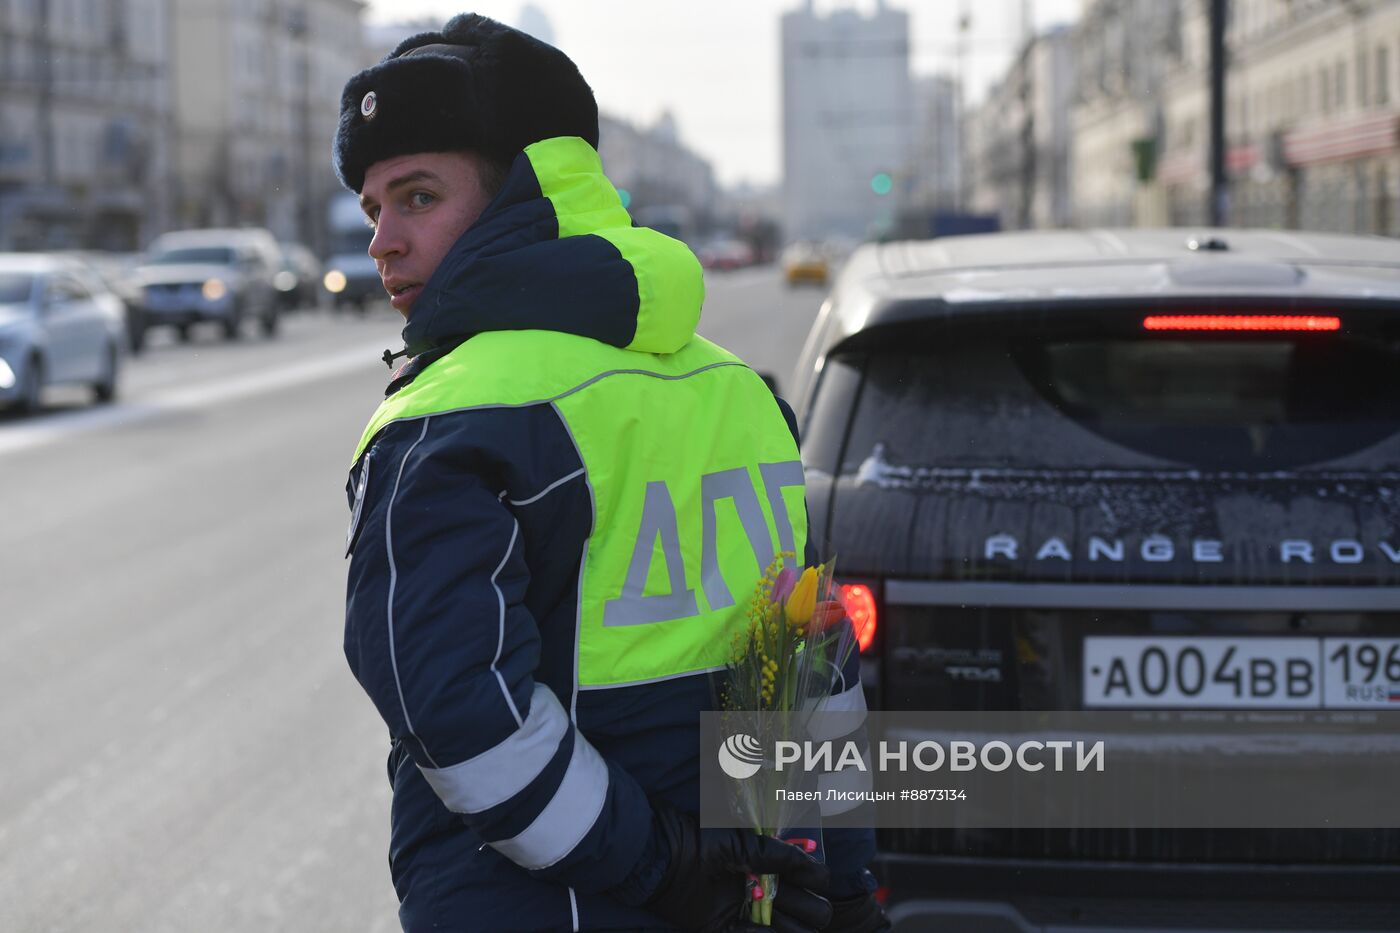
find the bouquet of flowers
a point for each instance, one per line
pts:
(785, 661)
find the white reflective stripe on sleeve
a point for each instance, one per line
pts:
(504, 770)
(501, 637)
(838, 715)
(393, 585)
(569, 815)
(851, 700)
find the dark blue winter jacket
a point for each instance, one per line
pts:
(522, 764)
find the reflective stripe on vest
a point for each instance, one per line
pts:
(685, 518)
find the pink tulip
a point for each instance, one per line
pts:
(783, 584)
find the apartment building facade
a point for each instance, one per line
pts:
(1312, 114)
(85, 122)
(1019, 138)
(257, 99)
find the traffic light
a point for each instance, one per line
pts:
(881, 183)
(1145, 158)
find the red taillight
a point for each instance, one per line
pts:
(860, 606)
(882, 896)
(1248, 322)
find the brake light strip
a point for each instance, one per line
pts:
(1242, 322)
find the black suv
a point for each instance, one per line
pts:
(1118, 469)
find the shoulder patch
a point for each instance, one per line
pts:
(357, 510)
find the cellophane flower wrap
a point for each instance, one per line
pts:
(785, 661)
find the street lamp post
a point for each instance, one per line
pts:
(960, 105)
(1219, 184)
(44, 49)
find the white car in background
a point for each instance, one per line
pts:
(58, 325)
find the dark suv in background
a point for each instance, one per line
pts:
(1118, 469)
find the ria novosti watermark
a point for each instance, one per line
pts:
(1102, 769)
(929, 756)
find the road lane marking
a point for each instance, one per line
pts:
(26, 435)
(256, 383)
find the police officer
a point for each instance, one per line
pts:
(558, 515)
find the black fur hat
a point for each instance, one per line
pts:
(477, 85)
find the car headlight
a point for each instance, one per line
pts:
(215, 290)
(334, 281)
(7, 375)
(284, 281)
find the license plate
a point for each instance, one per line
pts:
(1246, 673)
(171, 300)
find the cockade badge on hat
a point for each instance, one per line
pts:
(369, 106)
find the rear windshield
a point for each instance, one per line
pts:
(1229, 403)
(1242, 401)
(15, 288)
(204, 255)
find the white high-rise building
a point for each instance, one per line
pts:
(847, 121)
(535, 21)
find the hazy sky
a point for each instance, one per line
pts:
(714, 64)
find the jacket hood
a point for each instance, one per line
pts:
(556, 250)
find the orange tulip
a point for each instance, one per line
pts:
(828, 613)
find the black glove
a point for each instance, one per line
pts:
(706, 888)
(861, 914)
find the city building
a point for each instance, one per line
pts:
(847, 121)
(85, 123)
(257, 95)
(1123, 49)
(1020, 138)
(935, 163)
(535, 21)
(1312, 117)
(1312, 114)
(666, 184)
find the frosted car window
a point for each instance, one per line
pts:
(991, 403)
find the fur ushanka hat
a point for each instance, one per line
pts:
(478, 85)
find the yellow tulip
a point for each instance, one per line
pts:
(803, 600)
